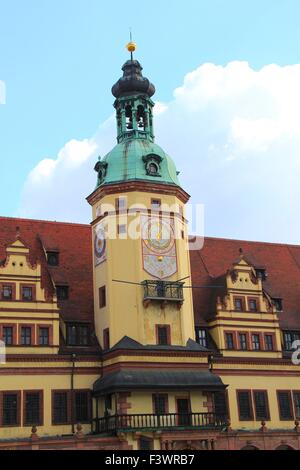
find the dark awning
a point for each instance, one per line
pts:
(142, 379)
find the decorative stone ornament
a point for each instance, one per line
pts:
(152, 164)
(101, 169)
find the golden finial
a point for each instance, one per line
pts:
(131, 46)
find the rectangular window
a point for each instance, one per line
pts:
(229, 341)
(220, 404)
(278, 304)
(52, 258)
(27, 293)
(145, 444)
(83, 335)
(256, 342)
(285, 405)
(289, 338)
(71, 335)
(202, 338)
(121, 203)
(245, 405)
(261, 405)
(155, 204)
(26, 335)
(7, 293)
(288, 341)
(243, 341)
(10, 409)
(160, 404)
(33, 408)
(269, 343)
(106, 339)
(60, 407)
(8, 335)
(62, 292)
(163, 333)
(102, 297)
(43, 336)
(296, 396)
(78, 335)
(238, 304)
(252, 303)
(82, 407)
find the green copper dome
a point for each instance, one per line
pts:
(136, 159)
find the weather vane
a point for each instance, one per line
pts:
(131, 46)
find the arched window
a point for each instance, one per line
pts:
(128, 114)
(141, 118)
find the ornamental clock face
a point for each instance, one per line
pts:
(99, 245)
(158, 245)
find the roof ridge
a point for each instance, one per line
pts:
(77, 224)
(250, 241)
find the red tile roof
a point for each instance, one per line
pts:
(282, 263)
(75, 268)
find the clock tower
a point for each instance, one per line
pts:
(140, 240)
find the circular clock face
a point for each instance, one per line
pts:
(100, 243)
(158, 235)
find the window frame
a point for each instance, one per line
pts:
(63, 287)
(233, 334)
(77, 326)
(14, 333)
(50, 335)
(106, 339)
(265, 393)
(32, 335)
(41, 407)
(12, 285)
(87, 391)
(281, 418)
(248, 391)
(253, 299)
(199, 339)
(260, 339)
(274, 346)
(294, 392)
(242, 300)
(102, 297)
(10, 392)
(68, 409)
(33, 292)
(246, 334)
(168, 334)
(163, 396)
(51, 253)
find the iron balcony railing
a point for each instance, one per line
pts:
(163, 290)
(126, 423)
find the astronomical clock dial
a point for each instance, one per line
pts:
(159, 250)
(99, 245)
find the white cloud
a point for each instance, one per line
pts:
(2, 92)
(234, 133)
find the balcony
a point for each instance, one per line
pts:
(154, 422)
(163, 291)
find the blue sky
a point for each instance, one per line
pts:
(59, 59)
